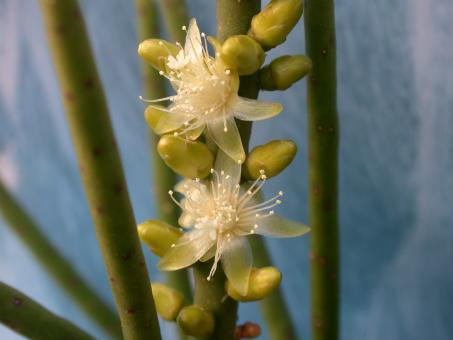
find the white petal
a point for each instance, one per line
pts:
(237, 262)
(226, 136)
(188, 250)
(193, 47)
(252, 110)
(277, 226)
(168, 121)
(231, 168)
(188, 185)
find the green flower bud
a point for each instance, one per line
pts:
(168, 301)
(272, 157)
(262, 282)
(186, 158)
(196, 321)
(271, 26)
(242, 53)
(156, 52)
(158, 236)
(284, 71)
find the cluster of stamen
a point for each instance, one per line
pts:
(202, 88)
(223, 209)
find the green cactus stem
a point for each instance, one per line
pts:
(176, 15)
(56, 264)
(28, 318)
(164, 178)
(100, 168)
(323, 168)
(228, 25)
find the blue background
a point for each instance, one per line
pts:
(395, 84)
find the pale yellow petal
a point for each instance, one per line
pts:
(253, 110)
(188, 250)
(237, 263)
(226, 135)
(277, 226)
(193, 46)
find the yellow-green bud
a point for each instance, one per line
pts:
(262, 282)
(168, 301)
(196, 321)
(284, 71)
(271, 26)
(158, 236)
(243, 54)
(156, 52)
(272, 157)
(186, 158)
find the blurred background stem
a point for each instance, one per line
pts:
(164, 178)
(100, 168)
(28, 318)
(56, 264)
(323, 168)
(176, 15)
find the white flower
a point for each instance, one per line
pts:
(218, 215)
(207, 97)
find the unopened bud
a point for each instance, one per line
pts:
(186, 158)
(242, 53)
(284, 71)
(196, 321)
(158, 236)
(156, 52)
(272, 157)
(262, 282)
(168, 301)
(271, 26)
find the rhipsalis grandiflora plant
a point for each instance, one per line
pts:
(220, 196)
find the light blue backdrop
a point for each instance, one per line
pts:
(395, 98)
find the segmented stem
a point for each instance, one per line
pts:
(56, 264)
(28, 318)
(323, 168)
(100, 168)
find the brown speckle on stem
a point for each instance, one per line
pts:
(17, 301)
(318, 323)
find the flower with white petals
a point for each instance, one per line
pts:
(219, 214)
(207, 97)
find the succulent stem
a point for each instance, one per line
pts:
(175, 12)
(164, 178)
(100, 168)
(56, 264)
(28, 318)
(323, 168)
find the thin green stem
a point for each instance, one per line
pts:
(175, 12)
(100, 168)
(323, 168)
(280, 327)
(273, 307)
(28, 318)
(164, 178)
(56, 264)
